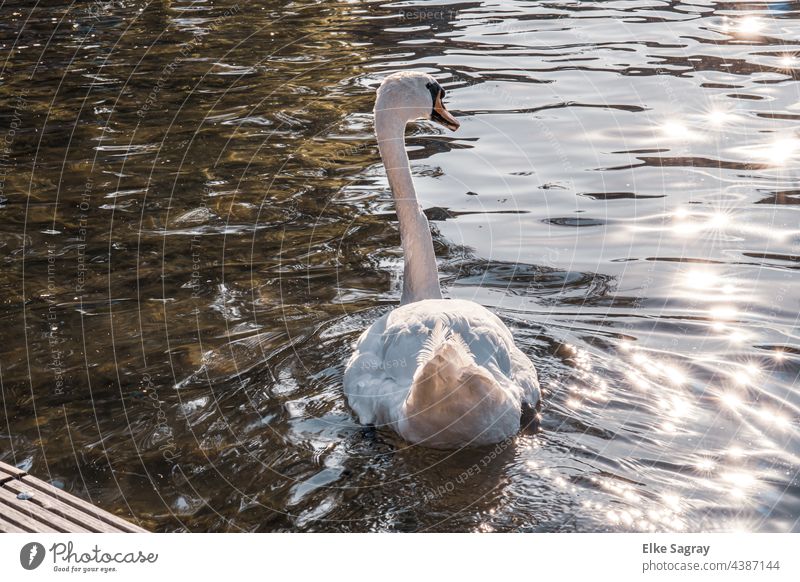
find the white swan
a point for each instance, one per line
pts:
(443, 373)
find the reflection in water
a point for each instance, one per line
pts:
(781, 151)
(196, 227)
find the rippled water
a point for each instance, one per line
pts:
(196, 227)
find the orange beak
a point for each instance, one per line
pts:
(442, 116)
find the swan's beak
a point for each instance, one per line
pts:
(442, 116)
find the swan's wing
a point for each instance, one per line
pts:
(523, 373)
(376, 383)
(381, 371)
(492, 345)
(435, 339)
(370, 391)
(462, 346)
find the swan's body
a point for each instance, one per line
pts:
(444, 373)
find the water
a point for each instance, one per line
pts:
(196, 227)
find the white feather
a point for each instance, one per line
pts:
(435, 339)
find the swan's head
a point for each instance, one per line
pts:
(411, 95)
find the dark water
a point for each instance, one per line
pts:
(195, 227)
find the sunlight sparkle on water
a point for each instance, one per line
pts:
(781, 151)
(750, 25)
(741, 483)
(717, 220)
(775, 419)
(674, 129)
(735, 452)
(679, 407)
(705, 465)
(668, 427)
(672, 501)
(638, 380)
(700, 279)
(737, 337)
(731, 400)
(719, 117)
(675, 375)
(723, 312)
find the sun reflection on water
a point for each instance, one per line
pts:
(674, 129)
(781, 150)
(736, 452)
(675, 398)
(740, 484)
(749, 25)
(701, 278)
(731, 400)
(705, 465)
(720, 117)
(723, 312)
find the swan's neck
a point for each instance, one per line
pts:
(420, 276)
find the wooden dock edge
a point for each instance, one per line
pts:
(28, 504)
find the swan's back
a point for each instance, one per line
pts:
(441, 372)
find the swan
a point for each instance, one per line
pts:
(443, 373)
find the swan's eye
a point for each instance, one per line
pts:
(436, 91)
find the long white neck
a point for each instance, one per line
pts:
(420, 276)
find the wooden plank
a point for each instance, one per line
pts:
(7, 527)
(15, 512)
(9, 472)
(20, 521)
(114, 523)
(50, 509)
(54, 505)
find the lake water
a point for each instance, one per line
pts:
(196, 227)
